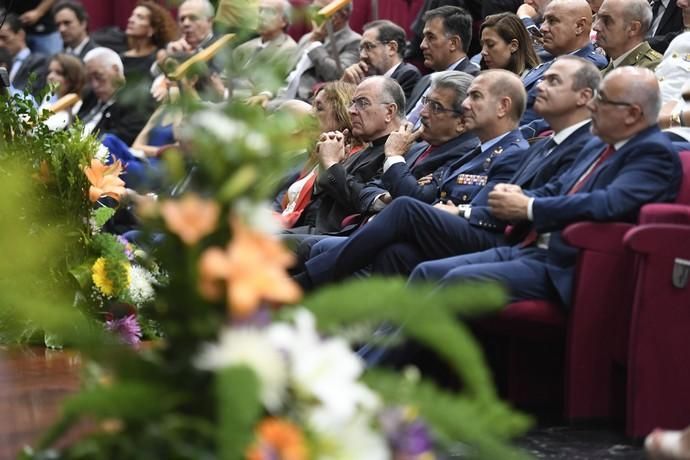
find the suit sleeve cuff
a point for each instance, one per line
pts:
(530, 212)
(390, 161)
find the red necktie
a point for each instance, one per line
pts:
(608, 151)
(423, 155)
(532, 236)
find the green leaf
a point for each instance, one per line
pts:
(102, 215)
(239, 409)
(82, 273)
(238, 182)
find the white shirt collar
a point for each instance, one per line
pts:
(390, 71)
(563, 134)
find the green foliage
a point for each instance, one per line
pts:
(102, 215)
(237, 393)
(431, 316)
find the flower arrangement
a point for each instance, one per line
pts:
(247, 368)
(78, 192)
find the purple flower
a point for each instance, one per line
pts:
(129, 250)
(408, 437)
(127, 328)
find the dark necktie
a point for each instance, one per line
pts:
(540, 152)
(655, 4)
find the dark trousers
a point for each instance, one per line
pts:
(406, 233)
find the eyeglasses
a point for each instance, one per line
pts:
(368, 46)
(362, 103)
(600, 98)
(436, 107)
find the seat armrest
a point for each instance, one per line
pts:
(595, 236)
(662, 239)
(668, 213)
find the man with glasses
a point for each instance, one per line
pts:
(380, 53)
(631, 163)
(447, 35)
(376, 111)
(409, 231)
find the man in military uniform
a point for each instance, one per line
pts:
(621, 27)
(494, 104)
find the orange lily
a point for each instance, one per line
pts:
(278, 439)
(253, 265)
(190, 218)
(105, 180)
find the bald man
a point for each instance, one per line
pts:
(630, 164)
(565, 29)
(491, 110)
(621, 27)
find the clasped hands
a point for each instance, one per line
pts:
(331, 149)
(508, 202)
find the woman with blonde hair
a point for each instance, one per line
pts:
(330, 108)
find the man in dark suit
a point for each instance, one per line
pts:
(103, 110)
(667, 24)
(447, 34)
(629, 165)
(492, 109)
(565, 29)
(380, 53)
(72, 22)
(376, 111)
(24, 62)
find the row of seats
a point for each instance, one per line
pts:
(622, 352)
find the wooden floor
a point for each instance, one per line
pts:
(33, 383)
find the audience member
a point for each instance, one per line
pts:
(447, 34)
(295, 204)
(72, 22)
(621, 27)
(150, 28)
(273, 45)
(565, 30)
(37, 21)
(666, 25)
(381, 51)
(24, 61)
(103, 110)
(445, 145)
(531, 13)
(67, 75)
(195, 20)
(375, 112)
(673, 70)
(272, 49)
(317, 60)
(629, 165)
(506, 44)
(409, 231)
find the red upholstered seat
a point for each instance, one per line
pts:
(625, 314)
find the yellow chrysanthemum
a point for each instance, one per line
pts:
(100, 278)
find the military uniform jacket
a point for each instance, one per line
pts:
(641, 56)
(401, 178)
(462, 180)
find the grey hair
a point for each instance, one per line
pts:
(642, 88)
(206, 6)
(287, 11)
(455, 80)
(391, 92)
(639, 10)
(107, 57)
